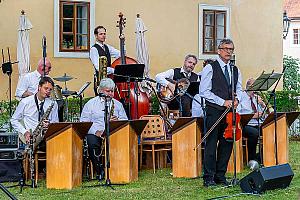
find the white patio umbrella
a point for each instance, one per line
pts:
(141, 45)
(23, 48)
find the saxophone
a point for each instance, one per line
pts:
(38, 133)
(102, 69)
(112, 109)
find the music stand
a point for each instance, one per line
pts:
(263, 83)
(79, 94)
(130, 73)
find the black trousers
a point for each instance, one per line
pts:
(94, 150)
(251, 132)
(217, 150)
(186, 103)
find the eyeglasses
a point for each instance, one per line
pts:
(228, 49)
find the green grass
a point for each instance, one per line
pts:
(162, 186)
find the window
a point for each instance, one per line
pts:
(74, 26)
(214, 29)
(296, 36)
(74, 22)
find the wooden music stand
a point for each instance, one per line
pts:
(245, 118)
(123, 151)
(284, 120)
(186, 134)
(64, 154)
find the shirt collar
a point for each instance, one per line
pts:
(221, 62)
(184, 72)
(101, 45)
(37, 74)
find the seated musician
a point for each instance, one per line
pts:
(93, 111)
(31, 110)
(186, 71)
(248, 104)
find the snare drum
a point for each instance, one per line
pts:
(56, 93)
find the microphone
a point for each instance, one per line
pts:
(44, 44)
(103, 95)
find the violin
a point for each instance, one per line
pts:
(228, 133)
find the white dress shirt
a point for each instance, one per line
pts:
(94, 56)
(206, 83)
(161, 77)
(245, 107)
(93, 111)
(29, 82)
(26, 114)
(196, 107)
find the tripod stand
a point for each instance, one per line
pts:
(7, 69)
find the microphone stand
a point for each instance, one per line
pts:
(44, 44)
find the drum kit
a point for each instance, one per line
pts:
(61, 95)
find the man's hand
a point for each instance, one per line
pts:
(113, 118)
(99, 133)
(257, 115)
(27, 93)
(227, 103)
(27, 136)
(171, 86)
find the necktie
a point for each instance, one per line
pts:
(253, 105)
(41, 110)
(227, 75)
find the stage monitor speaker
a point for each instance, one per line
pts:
(267, 178)
(10, 170)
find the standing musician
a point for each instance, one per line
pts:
(31, 109)
(186, 71)
(247, 105)
(102, 49)
(215, 87)
(28, 84)
(93, 111)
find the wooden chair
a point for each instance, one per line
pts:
(153, 138)
(39, 156)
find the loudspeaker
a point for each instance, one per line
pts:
(267, 178)
(10, 170)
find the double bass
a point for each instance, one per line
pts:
(130, 94)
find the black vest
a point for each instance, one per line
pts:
(106, 53)
(178, 75)
(219, 83)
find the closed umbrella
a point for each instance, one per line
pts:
(23, 49)
(141, 45)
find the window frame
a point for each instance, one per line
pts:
(215, 8)
(58, 51)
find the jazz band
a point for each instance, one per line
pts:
(217, 81)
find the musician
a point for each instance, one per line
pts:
(102, 49)
(93, 111)
(32, 108)
(186, 71)
(215, 87)
(29, 83)
(251, 103)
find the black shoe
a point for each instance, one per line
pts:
(209, 183)
(222, 181)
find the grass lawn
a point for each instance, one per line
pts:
(162, 186)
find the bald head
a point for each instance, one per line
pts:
(40, 67)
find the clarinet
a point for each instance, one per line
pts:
(31, 161)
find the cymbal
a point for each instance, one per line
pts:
(63, 78)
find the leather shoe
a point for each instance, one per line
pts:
(223, 182)
(209, 183)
